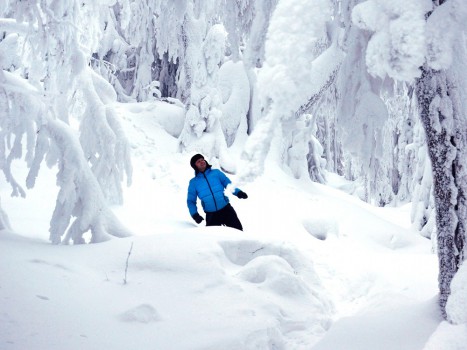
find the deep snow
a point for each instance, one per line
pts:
(315, 268)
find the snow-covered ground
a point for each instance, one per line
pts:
(314, 267)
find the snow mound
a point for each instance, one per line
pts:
(448, 337)
(144, 313)
(154, 114)
(235, 90)
(385, 328)
(275, 274)
(283, 281)
(240, 252)
(321, 228)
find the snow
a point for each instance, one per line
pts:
(290, 76)
(448, 337)
(443, 28)
(9, 56)
(397, 47)
(315, 268)
(456, 306)
(235, 91)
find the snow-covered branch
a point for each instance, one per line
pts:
(11, 25)
(80, 194)
(39, 100)
(305, 108)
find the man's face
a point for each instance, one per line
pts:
(200, 165)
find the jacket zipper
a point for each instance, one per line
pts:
(210, 189)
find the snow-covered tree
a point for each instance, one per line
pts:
(37, 97)
(145, 50)
(299, 65)
(441, 91)
(205, 48)
(327, 134)
(398, 138)
(247, 30)
(403, 41)
(202, 53)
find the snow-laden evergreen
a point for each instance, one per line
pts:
(298, 67)
(397, 48)
(44, 88)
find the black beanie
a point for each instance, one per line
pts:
(194, 159)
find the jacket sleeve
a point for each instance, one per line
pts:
(191, 199)
(225, 181)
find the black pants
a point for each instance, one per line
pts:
(224, 217)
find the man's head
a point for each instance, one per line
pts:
(198, 163)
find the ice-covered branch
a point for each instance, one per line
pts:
(102, 138)
(80, 194)
(257, 148)
(14, 124)
(397, 46)
(10, 25)
(323, 73)
(305, 108)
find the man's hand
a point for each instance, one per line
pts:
(198, 218)
(242, 195)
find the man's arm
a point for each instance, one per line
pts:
(191, 199)
(226, 181)
(191, 202)
(223, 178)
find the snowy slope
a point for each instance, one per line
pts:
(314, 268)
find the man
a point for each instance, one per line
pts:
(208, 185)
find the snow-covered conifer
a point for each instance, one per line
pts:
(39, 99)
(296, 68)
(403, 41)
(441, 96)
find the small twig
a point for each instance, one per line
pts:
(257, 250)
(128, 258)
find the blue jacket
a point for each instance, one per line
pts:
(209, 188)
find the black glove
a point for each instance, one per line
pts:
(242, 195)
(198, 218)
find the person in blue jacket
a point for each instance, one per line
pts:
(208, 185)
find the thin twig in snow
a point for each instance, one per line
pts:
(126, 267)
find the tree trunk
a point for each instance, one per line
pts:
(445, 135)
